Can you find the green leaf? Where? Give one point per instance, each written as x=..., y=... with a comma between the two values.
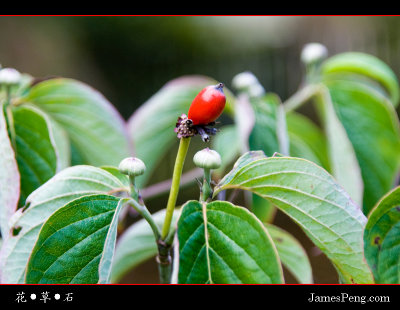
x=67, y=185
x=92, y=123
x=76, y=243
x=223, y=243
x=9, y=178
x=372, y=126
x=282, y=131
x=227, y=136
x=269, y=134
x=263, y=209
x=244, y=119
x=62, y=145
x=123, y=179
x=381, y=238
x=151, y=127
x=364, y=65
x=36, y=150
x=291, y=253
x=343, y=160
x=315, y=201
x=243, y=160
x=136, y=245
x=307, y=140
x=264, y=135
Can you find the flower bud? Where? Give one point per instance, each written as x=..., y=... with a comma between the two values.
x=313, y=52
x=207, y=159
x=132, y=166
x=9, y=76
x=244, y=80
x=247, y=81
x=256, y=90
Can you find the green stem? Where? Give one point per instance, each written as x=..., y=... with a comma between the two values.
x=176, y=177
x=206, y=189
x=164, y=262
x=163, y=258
x=134, y=192
x=165, y=273
x=301, y=97
x=142, y=210
x=169, y=240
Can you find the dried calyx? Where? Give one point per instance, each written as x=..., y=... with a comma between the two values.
x=185, y=129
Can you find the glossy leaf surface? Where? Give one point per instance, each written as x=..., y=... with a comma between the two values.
x=76, y=243
x=372, y=126
x=35, y=147
x=381, y=237
x=223, y=243
x=92, y=123
x=315, y=201
x=9, y=177
x=292, y=254
x=66, y=186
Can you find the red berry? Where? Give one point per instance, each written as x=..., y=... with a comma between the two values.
x=208, y=105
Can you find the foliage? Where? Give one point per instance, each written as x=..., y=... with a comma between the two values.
x=62, y=197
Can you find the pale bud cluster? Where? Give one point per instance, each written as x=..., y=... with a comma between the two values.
x=9, y=76
x=313, y=53
x=248, y=82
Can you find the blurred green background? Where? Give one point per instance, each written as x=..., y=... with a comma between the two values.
x=128, y=59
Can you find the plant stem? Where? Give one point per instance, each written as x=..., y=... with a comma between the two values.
x=301, y=97
x=134, y=192
x=163, y=258
x=164, y=262
x=173, y=194
x=144, y=212
x=206, y=191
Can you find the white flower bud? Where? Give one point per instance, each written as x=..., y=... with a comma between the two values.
x=244, y=80
x=207, y=159
x=256, y=90
x=313, y=52
x=9, y=76
x=132, y=166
